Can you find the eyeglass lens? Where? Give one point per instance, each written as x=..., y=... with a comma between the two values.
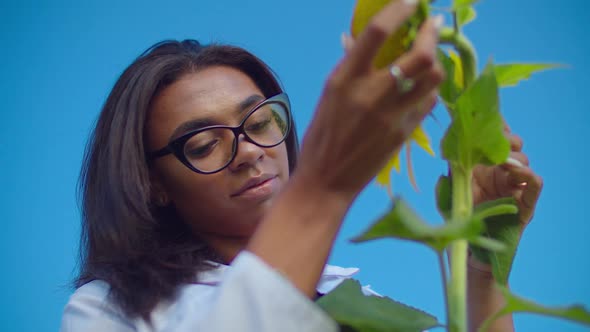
x=212, y=149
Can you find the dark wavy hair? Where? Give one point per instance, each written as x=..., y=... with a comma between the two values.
x=142, y=251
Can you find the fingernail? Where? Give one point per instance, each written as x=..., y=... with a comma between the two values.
x=346, y=41
x=439, y=20
x=514, y=162
x=343, y=40
x=411, y=2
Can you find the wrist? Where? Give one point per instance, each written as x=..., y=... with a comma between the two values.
x=296, y=236
x=310, y=187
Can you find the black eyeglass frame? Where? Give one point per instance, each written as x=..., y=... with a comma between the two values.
x=176, y=146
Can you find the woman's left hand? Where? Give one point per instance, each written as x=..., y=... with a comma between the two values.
x=491, y=183
x=509, y=180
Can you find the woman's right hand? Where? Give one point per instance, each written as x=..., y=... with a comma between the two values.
x=360, y=121
x=362, y=118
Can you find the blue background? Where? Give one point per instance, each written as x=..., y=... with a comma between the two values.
x=59, y=60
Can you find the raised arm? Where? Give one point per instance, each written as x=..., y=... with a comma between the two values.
x=361, y=120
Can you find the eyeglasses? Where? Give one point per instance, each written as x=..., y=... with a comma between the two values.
x=209, y=150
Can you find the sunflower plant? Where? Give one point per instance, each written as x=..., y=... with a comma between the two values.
x=475, y=136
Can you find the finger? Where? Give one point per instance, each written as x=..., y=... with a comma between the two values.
x=421, y=110
x=384, y=23
x=518, y=178
x=422, y=88
x=422, y=57
x=532, y=192
x=511, y=162
x=503, y=182
x=347, y=42
x=519, y=157
x=516, y=142
x=516, y=159
x=419, y=65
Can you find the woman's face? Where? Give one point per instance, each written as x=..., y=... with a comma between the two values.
x=231, y=202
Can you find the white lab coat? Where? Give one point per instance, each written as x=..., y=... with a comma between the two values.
x=247, y=296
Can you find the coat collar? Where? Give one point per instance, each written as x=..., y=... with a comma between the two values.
x=331, y=277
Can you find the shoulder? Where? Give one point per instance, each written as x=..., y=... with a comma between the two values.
x=89, y=309
x=91, y=295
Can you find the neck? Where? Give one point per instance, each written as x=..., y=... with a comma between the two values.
x=226, y=247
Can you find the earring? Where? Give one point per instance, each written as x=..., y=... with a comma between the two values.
x=161, y=200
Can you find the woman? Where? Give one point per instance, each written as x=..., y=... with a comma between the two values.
x=195, y=218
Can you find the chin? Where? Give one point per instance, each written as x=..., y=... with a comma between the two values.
x=254, y=214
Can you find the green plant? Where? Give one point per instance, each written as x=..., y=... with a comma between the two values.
x=490, y=230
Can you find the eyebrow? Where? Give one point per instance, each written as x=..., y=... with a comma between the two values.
x=196, y=124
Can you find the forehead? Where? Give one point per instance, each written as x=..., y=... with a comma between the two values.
x=214, y=92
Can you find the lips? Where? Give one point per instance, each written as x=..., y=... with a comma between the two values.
x=253, y=183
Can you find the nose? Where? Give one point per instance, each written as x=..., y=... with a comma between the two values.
x=248, y=154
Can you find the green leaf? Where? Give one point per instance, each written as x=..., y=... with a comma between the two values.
x=505, y=228
x=512, y=74
x=488, y=244
x=575, y=313
x=444, y=204
x=403, y=223
x=465, y=15
x=506, y=205
x=476, y=134
x=448, y=89
x=463, y=3
x=444, y=197
x=348, y=306
x=415, y=21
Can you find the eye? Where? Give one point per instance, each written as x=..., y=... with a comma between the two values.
x=259, y=125
x=201, y=150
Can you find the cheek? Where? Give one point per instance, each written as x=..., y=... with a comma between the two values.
x=189, y=189
x=281, y=158
x=202, y=201
x=285, y=163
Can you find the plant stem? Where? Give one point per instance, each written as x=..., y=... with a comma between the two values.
x=443, y=273
x=457, y=287
x=462, y=206
x=465, y=50
x=462, y=195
